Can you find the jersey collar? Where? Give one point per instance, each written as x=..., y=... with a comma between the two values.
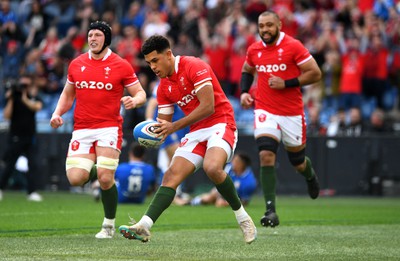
x=177, y=60
x=105, y=56
x=281, y=35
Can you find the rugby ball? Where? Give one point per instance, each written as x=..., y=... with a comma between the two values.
x=145, y=135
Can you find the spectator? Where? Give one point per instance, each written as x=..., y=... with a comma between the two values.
x=355, y=126
x=331, y=70
x=49, y=47
x=8, y=23
x=34, y=26
x=186, y=46
x=129, y=46
x=352, y=69
x=216, y=50
x=337, y=124
x=135, y=16
x=22, y=104
x=154, y=24
x=314, y=126
x=378, y=123
x=376, y=73
x=12, y=60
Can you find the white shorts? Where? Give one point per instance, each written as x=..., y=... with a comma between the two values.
x=290, y=129
x=194, y=144
x=84, y=141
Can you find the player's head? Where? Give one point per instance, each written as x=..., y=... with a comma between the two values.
x=157, y=53
x=137, y=151
x=105, y=29
x=269, y=26
x=240, y=162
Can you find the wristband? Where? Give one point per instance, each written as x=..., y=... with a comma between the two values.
x=294, y=82
x=246, y=81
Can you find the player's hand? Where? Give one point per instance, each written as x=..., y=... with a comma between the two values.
x=129, y=102
x=276, y=82
x=164, y=128
x=56, y=121
x=246, y=100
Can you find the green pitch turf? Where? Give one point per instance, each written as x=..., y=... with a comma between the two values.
x=62, y=227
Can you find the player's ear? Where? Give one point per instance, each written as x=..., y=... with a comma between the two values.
x=168, y=53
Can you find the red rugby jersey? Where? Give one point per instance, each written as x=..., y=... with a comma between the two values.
x=180, y=88
x=282, y=60
x=99, y=86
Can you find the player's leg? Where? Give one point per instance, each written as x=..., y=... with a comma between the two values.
x=294, y=139
x=80, y=159
x=217, y=154
x=268, y=147
x=303, y=165
x=107, y=163
x=267, y=134
x=179, y=169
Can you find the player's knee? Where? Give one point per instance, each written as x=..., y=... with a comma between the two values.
x=268, y=148
x=169, y=179
x=106, y=180
x=266, y=143
x=77, y=178
x=214, y=171
x=107, y=163
x=78, y=170
x=297, y=158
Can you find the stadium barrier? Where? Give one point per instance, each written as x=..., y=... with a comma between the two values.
x=345, y=166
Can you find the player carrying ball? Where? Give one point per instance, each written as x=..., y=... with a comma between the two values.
x=210, y=143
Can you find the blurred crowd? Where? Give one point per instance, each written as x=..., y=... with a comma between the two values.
x=356, y=44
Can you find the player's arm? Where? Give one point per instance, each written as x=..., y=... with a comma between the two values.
x=64, y=104
x=246, y=82
x=205, y=95
x=310, y=73
x=137, y=97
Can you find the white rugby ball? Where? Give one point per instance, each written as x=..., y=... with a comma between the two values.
x=145, y=135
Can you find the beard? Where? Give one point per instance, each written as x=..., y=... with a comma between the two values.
x=272, y=38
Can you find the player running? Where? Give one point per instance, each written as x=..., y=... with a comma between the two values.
x=210, y=143
x=282, y=64
x=97, y=81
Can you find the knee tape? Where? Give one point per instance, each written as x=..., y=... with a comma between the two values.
x=107, y=163
x=267, y=143
x=77, y=162
x=297, y=158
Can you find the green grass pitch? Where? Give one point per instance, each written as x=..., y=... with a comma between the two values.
x=62, y=227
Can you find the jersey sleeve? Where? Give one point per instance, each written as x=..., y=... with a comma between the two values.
x=70, y=78
x=165, y=106
x=249, y=55
x=302, y=55
x=130, y=78
x=198, y=73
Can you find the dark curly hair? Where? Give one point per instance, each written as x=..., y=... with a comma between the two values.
x=157, y=43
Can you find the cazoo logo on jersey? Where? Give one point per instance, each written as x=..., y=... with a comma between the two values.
x=94, y=85
x=269, y=68
x=186, y=99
